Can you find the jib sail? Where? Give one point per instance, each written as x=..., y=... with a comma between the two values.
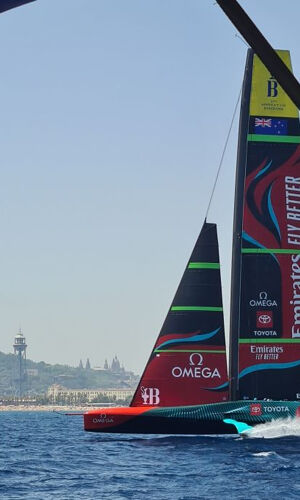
x=188, y=360
x=265, y=328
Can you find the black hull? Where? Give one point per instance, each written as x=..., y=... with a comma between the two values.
x=142, y=425
x=200, y=419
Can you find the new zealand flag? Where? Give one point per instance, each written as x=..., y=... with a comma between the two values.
x=271, y=126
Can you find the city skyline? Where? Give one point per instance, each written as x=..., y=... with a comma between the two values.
x=19, y=346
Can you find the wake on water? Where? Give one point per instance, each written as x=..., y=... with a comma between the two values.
x=275, y=429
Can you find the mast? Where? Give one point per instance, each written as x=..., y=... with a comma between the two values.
x=237, y=231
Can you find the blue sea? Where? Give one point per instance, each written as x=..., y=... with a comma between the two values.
x=45, y=455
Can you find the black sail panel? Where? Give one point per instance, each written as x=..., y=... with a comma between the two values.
x=188, y=363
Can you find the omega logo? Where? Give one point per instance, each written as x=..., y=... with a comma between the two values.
x=194, y=357
x=263, y=301
x=195, y=369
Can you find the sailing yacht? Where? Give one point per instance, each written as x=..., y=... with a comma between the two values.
x=186, y=387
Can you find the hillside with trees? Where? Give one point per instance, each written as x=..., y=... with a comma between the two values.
x=40, y=375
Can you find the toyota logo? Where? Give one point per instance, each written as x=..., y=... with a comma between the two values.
x=264, y=319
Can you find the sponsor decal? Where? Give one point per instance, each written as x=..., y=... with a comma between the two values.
x=266, y=352
x=292, y=190
x=292, y=195
x=103, y=419
x=276, y=409
x=263, y=301
x=265, y=333
x=255, y=409
x=150, y=395
x=196, y=369
x=267, y=97
x=295, y=303
x=272, y=87
x=264, y=319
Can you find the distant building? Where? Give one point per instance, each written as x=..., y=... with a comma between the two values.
x=59, y=394
x=20, y=347
x=115, y=365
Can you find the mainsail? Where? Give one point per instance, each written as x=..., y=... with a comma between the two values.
x=188, y=360
x=265, y=327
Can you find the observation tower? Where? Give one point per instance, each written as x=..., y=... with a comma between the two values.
x=20, y=347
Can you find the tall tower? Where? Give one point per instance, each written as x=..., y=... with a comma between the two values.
x=20, y=351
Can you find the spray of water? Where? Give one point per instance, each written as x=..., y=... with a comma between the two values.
x=276, y=428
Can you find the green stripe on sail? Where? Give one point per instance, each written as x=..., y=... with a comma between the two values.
x=271, y=250
x=190, y=350
x=274, y=138
x=269, y=341
x=204, y=265
x=197, y=308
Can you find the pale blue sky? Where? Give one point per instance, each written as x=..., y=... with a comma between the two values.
x=113, y=119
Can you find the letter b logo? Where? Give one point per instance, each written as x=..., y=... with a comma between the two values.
x=150, y=395
x=272, y=88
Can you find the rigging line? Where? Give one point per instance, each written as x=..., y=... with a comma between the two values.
x=223, y=154
x=242, y=40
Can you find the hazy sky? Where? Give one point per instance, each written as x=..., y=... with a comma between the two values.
x=114, y=115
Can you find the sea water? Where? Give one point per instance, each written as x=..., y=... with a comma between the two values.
x=44, y=455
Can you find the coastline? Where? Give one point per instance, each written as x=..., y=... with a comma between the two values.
x=52, y=408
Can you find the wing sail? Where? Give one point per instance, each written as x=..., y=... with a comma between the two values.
x=269, y=254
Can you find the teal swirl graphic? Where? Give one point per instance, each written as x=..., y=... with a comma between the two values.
x=191, y=340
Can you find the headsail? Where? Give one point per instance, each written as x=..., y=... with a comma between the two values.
x=188, y=360
x=266, y=298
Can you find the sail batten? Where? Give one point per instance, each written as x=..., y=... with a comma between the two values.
x=197, y=308
x=204, y=265
x=270, y=138
x=271, y=250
